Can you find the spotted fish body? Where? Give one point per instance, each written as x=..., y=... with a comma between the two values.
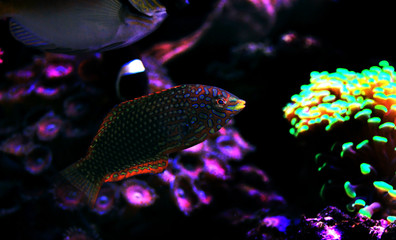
x=137, y=135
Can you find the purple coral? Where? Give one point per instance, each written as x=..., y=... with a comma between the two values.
x=38, y=159
x=1, y=55
x=138, y=193
x=193, y=167
x=49, y=127
x=333, y=224
x=67, y=197
x=53, y=71
x=76, y=233
x=107, y=197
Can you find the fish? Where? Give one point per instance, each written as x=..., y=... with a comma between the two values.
x=137, y=136
x=81, y=26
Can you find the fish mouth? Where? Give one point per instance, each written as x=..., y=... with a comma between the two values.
x=237, y=105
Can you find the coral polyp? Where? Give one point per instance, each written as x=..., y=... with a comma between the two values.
x=203, y=164
x=358, y=112
x=75, y=233
x=76, y=107
x=216, y=168
x=1, y=54
x=187, y=195
x=60, y=70
x=38, y=159
x=17, y=144
x=231, y=145
x=106, y=200
x=138, y=193
x=49, y=127
x=67, y=197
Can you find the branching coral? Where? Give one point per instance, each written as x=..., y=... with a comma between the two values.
x=357, y=111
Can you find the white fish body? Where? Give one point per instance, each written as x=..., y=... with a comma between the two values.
x=86, y=26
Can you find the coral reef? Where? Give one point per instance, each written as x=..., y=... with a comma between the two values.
x=202, y=165
x=331, y=223
x=357, y=111
x=57, y=131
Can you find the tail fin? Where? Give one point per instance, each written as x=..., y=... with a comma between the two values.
x=83, y=180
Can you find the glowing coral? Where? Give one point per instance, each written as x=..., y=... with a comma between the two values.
x=54, y=71
x=201, y=164
x=1, y=54
x=138, y=193
x=361, y=108
x=333, y=98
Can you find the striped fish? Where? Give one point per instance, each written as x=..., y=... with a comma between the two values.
x=79, y=26
x=137, y=135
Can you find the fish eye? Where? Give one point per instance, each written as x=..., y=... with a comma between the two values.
x=221, y=101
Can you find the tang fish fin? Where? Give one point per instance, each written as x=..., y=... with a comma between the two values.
x=23, y=35
x=81, y=178
x=148, y=7
x=155, y=166
x=86, y=26
x=28, y=38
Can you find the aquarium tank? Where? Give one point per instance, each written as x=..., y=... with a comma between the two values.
x=189, y=119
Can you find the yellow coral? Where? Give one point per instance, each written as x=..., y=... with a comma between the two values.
x=333, y=98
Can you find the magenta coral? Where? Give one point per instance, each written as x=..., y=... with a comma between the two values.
x=1, y=54
x=38, y=159
x=207, y=161
x=138, y=193
x=49, y=127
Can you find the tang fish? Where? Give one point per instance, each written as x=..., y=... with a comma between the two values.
x=79, y=26
x=137, y=135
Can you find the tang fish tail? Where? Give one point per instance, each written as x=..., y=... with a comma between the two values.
x=80, y=177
